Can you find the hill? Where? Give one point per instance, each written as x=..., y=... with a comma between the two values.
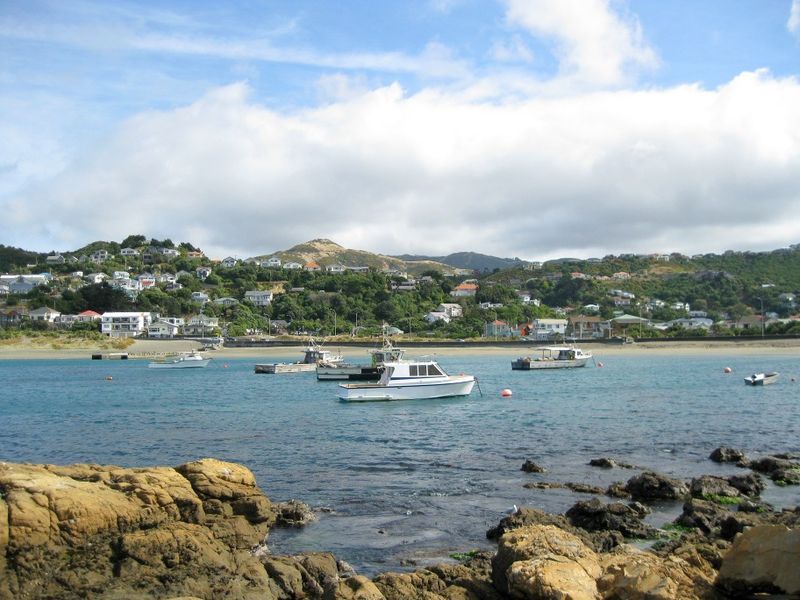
x=467, y=260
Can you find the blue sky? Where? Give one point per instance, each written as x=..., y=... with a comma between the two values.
x=531, y=128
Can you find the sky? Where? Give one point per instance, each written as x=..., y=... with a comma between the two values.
x=518, y=128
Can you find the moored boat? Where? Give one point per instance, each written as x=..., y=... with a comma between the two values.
x=371, y=372
x=313, y=356
x=553, y=357
x=408, y=380
x=761, y=378
x=190, y=360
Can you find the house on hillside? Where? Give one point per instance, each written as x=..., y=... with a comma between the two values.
x=336, y=268
x=464, y=290
x=55, y=259
x=45, y=314
x=292, y=266
x=226, y=301
x=271, y=263
x=258, y=297
x=435, y=315
x=312, y=266
x=452, y=310
x=202, y=272
x=129, y=252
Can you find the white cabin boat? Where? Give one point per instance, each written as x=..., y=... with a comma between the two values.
x=553, y=357
x=761, y=378
x=191, y=360
x=408, y=380
x=371, y=372
x=313, y=356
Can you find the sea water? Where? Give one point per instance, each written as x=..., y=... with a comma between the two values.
x=408, y=482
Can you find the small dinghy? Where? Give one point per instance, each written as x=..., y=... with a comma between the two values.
x=761, y=378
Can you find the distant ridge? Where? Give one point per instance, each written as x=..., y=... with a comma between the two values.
x=468, y=260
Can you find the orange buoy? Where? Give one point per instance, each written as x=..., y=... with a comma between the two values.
x=506, y=393
x=727, y=370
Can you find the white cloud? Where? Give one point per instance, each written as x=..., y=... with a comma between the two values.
x=511, y=50
x=593, y=43
x=683, y=169
x=794, y=18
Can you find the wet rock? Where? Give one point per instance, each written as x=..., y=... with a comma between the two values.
x=603, y=463
x=531, y=467
x=723, y=454
x=544, y=485
x=762, y=559
x=702, y=514
x=293, y=514
x=654, y=486
x=593, y=515
x=749, y=484
x=580, y=488
x=708, y=485
x=617, y=490
x=584, y=488
x=543, y=561
x=782, y=471
x=755, y=506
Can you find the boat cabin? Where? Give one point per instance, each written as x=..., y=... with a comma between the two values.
x=398, y=371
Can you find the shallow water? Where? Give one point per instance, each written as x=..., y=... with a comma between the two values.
x=408, y=482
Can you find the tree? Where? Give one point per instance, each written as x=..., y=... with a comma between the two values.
x=133, y=241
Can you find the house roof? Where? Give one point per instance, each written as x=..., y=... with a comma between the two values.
x=89, y=313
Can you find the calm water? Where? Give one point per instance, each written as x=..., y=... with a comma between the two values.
x=407, y=481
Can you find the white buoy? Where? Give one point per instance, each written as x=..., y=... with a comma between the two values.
x=506, y=393
x=599, y=364
x=727, y=370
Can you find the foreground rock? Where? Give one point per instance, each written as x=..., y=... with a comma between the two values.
x=87, y=530
x=654, y=486
x=763, y=559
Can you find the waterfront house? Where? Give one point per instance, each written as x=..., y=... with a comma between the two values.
x=125, y=324
x=258, y=297
x=752, y=322
x=584, y=326
x=498, y=328
x=548, y=329
x=88, y=316
x=164, y=328
x=201, y=325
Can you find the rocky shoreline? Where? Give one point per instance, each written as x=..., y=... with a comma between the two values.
x=200, y=530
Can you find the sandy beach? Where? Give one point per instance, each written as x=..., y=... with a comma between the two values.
x=43, y=348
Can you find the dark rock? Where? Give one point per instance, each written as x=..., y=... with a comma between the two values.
x=708, y=485
x=723, y=454
x=604, y=463
x=654, y=486
x=617, y=490
x=755, y=506
x=531, y=467
x=293, y=514
x=749, y=484
x=703, y=515
x=593, y=515
x=736, y=523
x=584, y=488
x=782, y=471
x=544, y=485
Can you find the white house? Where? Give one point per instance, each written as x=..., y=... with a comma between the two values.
x=164, y=328
x=203, y=272
x=125, y=324
x=271, y=263
x=490, y=305
x=201, y=297
x=96, y=277
x=55, y=259
x=129, y=252
x=434, y=316
x=452, y=310
x=226, y=301
x=170, y=253
x=201, y=325
x=229, y=262
x=44, y=313
x=120, y=275
x=100, y=256
x=292, y=266
x=546, y=329
x=465, y=289
x=336, y=268
x=258, y=297
x=358, y=269
x=89, y=315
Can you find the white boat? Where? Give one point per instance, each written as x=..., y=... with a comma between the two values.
x=408, y=380
x=191, y=360
x=313, y=356
x=761, y=378
x=553, y=357
x=371, y=372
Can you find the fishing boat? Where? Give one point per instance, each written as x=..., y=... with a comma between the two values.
x=761, y=378
x=189, y=360
x=371, y=372
x=408, y=380
x=553, y=357
x=313, y=355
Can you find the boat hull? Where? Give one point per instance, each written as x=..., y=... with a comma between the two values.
x=194, y=364
x=761, y=380
x=534, y=365
x=455, y=386
x=271, y=368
